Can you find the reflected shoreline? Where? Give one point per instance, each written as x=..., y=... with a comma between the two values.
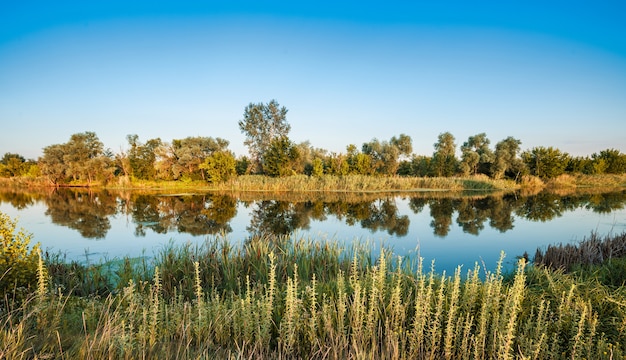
x=88, y=211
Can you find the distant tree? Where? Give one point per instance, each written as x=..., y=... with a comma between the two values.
x=12, y=165
x=242, y=165
x=307, y=156
x=546, y=163
x=476, y=156
x=52, y=165
x=317, y=167
x=358, y=163
x=280, y=158
x=142, y=157
x=506, y=159
x=444, y=162
x=190, y=152
x=219, y=166
x=385, y=155
x=336, y=164
x=262, y=124
x=615, y=161
x=82, y=158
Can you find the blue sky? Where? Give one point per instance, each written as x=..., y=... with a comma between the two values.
x=550, y=73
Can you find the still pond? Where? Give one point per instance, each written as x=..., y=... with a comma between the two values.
x=454, y=229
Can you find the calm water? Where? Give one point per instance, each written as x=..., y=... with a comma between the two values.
x=454, y=230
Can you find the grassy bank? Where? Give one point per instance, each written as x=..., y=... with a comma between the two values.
x=297, y=298
x=348, y=183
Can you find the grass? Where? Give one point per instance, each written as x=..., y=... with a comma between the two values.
x=281, y=297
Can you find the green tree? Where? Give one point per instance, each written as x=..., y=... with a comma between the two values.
x=476, y=156
x=219, y=166
x=189, y=153
x=12, y=165
x=546, y=163
x=615, y=161
x=142, y=157
x=86, y=158
x=52, y=165
x=281, y=158
x=82, y=158
x=385, y=155
x=359, y=163
x=506, y=159
x=242, y=165
x=444, y=162
x=262, y=124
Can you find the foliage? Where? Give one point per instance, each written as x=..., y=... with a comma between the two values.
x=546, y=163
x=477, y=157
x=444, y=162
x=81, y=159
x=142, y=157
x=13, y=165
x=242, y=165
x=507, y=162
x=18, y=263
x=262, y=124
x=384, y=155
x=280, y=158
x=189, y=153
x=219, y=166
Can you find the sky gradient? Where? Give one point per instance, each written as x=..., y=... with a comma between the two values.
x=547, y=73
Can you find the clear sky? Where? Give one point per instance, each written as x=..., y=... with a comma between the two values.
x=550, y=73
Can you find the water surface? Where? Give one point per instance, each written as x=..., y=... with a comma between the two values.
x=455, y=229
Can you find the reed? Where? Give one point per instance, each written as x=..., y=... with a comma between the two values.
x=297, y=298
x=592, y=250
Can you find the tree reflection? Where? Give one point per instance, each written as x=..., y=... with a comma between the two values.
x=472, y=214
x=541, y=207
x=19, y=200
x=89, y=212
x=607, y=202
x=192, y=214
x=383, y=214
x=441, y=211
x=85, y=211
x=271, y=217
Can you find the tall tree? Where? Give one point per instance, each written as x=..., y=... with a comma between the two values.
x=444, y=162
x=506, y=159
x=476, y=155
x=142, y=157
x=262, y=124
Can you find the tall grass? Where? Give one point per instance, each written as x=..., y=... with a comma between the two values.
x=297, y=298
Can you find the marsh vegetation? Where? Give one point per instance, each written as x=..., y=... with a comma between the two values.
x=286, y=297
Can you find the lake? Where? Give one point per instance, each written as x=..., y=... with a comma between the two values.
x=453, y=228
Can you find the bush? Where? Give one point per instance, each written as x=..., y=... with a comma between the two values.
x=18, y=264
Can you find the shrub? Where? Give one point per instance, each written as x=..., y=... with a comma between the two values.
x=18, y=263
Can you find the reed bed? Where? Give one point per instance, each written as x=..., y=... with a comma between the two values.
x=593, y=250
x=362, y=183
x=291, y=297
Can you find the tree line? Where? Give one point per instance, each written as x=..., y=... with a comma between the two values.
x=85, y=160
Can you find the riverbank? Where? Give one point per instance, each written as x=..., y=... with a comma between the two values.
x=283, y=297
x=349, y=183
